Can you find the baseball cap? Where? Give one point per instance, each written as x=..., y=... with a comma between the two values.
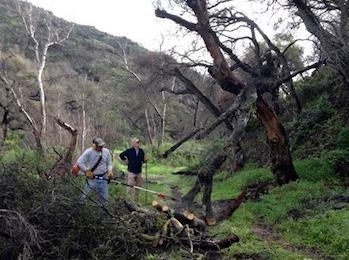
x=99, y=142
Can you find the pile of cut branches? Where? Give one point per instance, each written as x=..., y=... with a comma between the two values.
x=182, y=228
x=42, y=219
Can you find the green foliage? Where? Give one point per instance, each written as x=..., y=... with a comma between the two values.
x=343, y=139
x=31, y=160
x=274, y=207
x=313, y=169
x=316, y=112
x=314, y=130
x=334, y=158
x=66, y=230
x=322, y=168
x=233, y=185
x=323, y=81
x=190, y=153
x=14, y=138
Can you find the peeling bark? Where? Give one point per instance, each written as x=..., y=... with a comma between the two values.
x=281, y=159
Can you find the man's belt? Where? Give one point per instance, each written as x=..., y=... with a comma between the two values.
x=99, y=176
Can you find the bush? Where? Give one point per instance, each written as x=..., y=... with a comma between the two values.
x=322, y=168
x=315, y=130
x=343, y=139
x=42, y=220
x=190, y=153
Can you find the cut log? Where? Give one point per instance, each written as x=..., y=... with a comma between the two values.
x=156, y=239
x=165, y=208
x=176, y=224
x=227, y=208
x=164, y=232
x=156, y=205
x=161, y=208
x=211, y=221
x=148, y=237
x=190, y=219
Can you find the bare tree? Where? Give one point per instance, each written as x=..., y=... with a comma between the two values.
x=10, y=88
x=213, y=26
x=44, y=32
x=216, y=27
x=328, y=21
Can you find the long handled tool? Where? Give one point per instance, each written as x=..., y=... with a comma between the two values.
x=159, y=194
x=146, y=181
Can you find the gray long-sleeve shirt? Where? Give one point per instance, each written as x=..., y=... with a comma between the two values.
x=90, y=157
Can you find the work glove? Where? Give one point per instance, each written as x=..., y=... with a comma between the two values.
x=146, y=158
x=89, y=174
x=110, y=175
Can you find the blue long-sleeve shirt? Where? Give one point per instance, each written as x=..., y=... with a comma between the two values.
x=135, y=161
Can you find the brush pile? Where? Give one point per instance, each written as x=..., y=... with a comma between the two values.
x=42, y=219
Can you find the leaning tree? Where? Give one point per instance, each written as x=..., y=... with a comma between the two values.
x=218, y=25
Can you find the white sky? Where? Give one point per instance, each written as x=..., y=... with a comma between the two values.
x=135, y=19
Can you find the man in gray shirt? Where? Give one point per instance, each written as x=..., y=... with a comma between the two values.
x=96, y=163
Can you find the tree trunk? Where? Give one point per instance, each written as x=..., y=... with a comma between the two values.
x=205, y=178
x=83, y=132
x=282, y=165
x=155, y=131
x=335, y=48
x=36, y=132
x=196, y=112
x=4, y=126
x=63, y=165
x=281, y=159
x=180, y=142
x=42, y=91
x=163, y=119
x=148, y=126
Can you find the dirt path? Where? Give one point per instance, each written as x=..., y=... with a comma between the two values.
x=267, y=233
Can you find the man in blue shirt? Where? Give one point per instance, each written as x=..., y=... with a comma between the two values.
x=134, y=158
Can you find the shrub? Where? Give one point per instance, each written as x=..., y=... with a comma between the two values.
x=343, y=139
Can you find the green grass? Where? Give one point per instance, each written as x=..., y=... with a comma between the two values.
x=328, y=232
x=297, y=211
x=160, y=177
x=232, y=185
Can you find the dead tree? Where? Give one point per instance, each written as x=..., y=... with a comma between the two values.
x=147, y=99
x=328, y=21
x=10, y=87
x=63, y=165
x=241, y=108
x=212, y=26
x=54, y=32
x=331, y=31
x=5, y=119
